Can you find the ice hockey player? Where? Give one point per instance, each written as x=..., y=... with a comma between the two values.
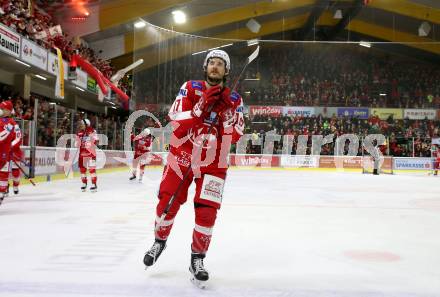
x=198, y=105
x=377, y=155
x=7, y=136
x=436, y=155
x=17, y=157
x=87, y=138
x=142, y=147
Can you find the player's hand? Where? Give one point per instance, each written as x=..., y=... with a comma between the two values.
x=225, y=108
x=206, y=102
x=224, y=103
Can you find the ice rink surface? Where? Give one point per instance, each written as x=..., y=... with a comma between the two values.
x=279, y=233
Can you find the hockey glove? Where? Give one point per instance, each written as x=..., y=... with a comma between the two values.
x=206, y=102
x=225, y=108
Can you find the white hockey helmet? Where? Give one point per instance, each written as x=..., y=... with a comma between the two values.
x=146, y=132
x=86, y=122
x=218, y=54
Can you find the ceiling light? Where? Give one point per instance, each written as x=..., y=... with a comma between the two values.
x=252, y=42
x=139, y=24
x=217, y=47
x=40, y=77
x=22, y=63
x=253, y=26
x=424, y=29
x=179, y=16
x=365, y=44
x=338, y=14
x=226, y=45
x=199, y=53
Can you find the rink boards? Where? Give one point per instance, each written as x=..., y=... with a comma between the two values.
x=49, y=163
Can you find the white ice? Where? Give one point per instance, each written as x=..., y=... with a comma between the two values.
x=279, y=233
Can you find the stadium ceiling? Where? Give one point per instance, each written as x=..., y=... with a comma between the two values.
x=378, y=20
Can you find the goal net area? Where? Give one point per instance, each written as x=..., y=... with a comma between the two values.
x=384, y=165
x=399, y=165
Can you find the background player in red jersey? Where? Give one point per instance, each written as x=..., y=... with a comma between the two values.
x=7, y=136
x=436, y=155
x=16, y=156
x=198, y=105
x=87, y=153
x=142, y=146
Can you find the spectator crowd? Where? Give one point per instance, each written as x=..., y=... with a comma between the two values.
x=404, y=138
x=340, y=75
x=29, y=20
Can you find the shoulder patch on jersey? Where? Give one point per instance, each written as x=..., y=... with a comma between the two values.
x=182, y=92
x=239, y=109
x=196, y=85
x=235, y=96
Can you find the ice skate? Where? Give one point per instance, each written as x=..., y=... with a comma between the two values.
x=93, y=188
x=84, y=187
x=154, y=252
x=16, y=190
x=199, y=274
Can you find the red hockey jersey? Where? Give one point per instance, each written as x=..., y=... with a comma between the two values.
x=188, y=131
x=142, y=144
x=87, y=142
x=16, y=152
x=436, y=153
x=7, y=136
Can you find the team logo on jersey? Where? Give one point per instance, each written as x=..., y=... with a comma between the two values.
x=196, y=136
x=212, y=117
x=196, y=85
x=184, y=159
x=235, y=96
x=182, y=92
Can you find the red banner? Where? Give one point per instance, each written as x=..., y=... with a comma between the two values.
x=272, y=111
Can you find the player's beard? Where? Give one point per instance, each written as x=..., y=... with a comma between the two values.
x=213, y=81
